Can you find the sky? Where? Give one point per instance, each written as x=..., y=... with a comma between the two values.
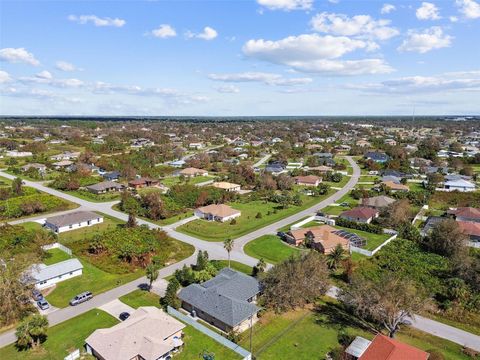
x=239, y=57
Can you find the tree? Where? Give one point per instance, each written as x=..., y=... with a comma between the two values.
x=202, y=260
x=151, y=271
x=259, y=268
x=32, y=331
x=446, y=239
x=336, y=256
x=295, y=282
x=228, y=245
x=17, y=186
x=388, y=300
x=132, y=220
x=171, y=298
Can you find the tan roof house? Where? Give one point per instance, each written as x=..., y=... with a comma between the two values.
x=324, y=238
x=230, y=187
x=148, y=334
x=192, y=172
x=309, y=180
x=393, y=186
x=217, y=212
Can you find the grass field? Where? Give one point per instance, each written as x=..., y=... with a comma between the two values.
x=64, y=337
x=373, y=240
x=270, y=248
x=247, y=222
x=54, y=256
x=138, y=298
x=334, y=210
x=88, y=232
x=234, y=265
x=87, y=195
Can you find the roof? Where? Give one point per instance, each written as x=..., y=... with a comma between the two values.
x=460, y=183
x=72, y=218
x=146, y=333
x=225, y=185
x=378, y=201
x=112, y=175
x=321, y=168
x=385, y=348
x=220, y=210
x=309, y=179
x=360, y=212
x=469, y=228
x=466, y=212
x=192, y=171
x=376, y=156
x=394, y=186
x=105, y=185
x=63, y=163
x=143, y=180
x=225, y=297
x=326, y=235
x=358, y=346
x=44, y=272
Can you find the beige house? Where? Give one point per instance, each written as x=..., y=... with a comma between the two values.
x=309, y=180
x=230, y=187
x=148, y=334
x=217, y=212
x=192, y=172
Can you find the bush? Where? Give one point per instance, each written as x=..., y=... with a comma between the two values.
x=258, y=216
x=371, y=228
x=233, y=222
x=435, y=355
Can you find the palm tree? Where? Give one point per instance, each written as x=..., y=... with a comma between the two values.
x=32, y=331
x=228, y=245
x=151, y=271
x=336, y=256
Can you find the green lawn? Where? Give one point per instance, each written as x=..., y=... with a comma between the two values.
x=334, y=210
x=373, y=240
x=54, y=256
x=173, y=180
x=64, y=337
x=87, y=195
x=69, y=237
x=234, y=265
x=138, y=298
x=167, y=221
x=270, y=248
x=287, y=227
x=247, y=222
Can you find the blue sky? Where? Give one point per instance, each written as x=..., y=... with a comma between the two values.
x=264, y=57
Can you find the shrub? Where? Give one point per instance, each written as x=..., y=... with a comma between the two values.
x=258, y=216
x=374, y=229
x=233, y=222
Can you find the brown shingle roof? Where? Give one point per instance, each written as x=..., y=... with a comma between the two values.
x=220, y=210
x=360, y=213
x=385, y=348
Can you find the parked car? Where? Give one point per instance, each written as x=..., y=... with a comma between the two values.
x=43, y=304
x=37, y=295
x=124, y=316
x=344, y=204
x=80, y=298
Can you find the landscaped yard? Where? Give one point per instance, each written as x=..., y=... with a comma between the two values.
x=63, y=338
x=334, y=210
x=373, y=240
x=271, y=249
x=55, y=256
x=138, y=298
x=235, y=265
x=247, y=222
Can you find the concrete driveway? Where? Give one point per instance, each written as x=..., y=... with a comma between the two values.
x=159, y=287
x=116, y=307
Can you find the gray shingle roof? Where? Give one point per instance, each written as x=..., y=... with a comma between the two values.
x=72, y=218
x=104, y=185
x=224, y=297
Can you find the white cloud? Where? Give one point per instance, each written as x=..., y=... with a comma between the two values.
x=387, y=8
x=469, y=8
x=358, y=25
x=46, y=78
x=286, y=5
x=18, y=55
x=428, y=11
x=97, y=21
x=65, y=66
x=266, y=78
x=422, y=42
x=4, y=77
x=208, y=33
x=314, y=53
x=44, y=75
x=228, y=89
x=164, y=31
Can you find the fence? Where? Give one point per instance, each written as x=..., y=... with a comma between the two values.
x=372, y=252
x=420, y=215
x=58, y=246
x=73, y=355
x=217, y=337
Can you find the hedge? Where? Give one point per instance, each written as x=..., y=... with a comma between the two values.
x=371, y=228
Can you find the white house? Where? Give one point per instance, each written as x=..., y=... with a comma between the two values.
x=44, y=276
x=459, y=185
x=217, y=212
x=15, y=153
x=72, y=221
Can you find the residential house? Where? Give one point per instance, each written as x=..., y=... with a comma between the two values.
x=308, y=180
x=394, y=187
x=104, y=187
x=459, y=185
x=62, y=164
x=376, y=156
x=15, y=153
x=229, y=187
x=67, y=155
x=383, y=348
x=471, y=229
x=177, y=163
x=196, y=145
x=323, y=238
x=141, y=142
x=363, y=143
x=43, y=276
x=465, y=214
x=192, y=172
x=322, y=169
x=275, y=168
x=360, y=214
x=42, y=169
x=227, y=301
x=430, y=223
x=217, y=212
x=72, y=221
x=390, y=142
x=148, y=334
x=377, y=202
x=142, y=182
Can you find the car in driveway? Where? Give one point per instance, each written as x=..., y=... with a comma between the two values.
x=37, y=295
x=43, y=304
x=124, y=316
x=80, y=298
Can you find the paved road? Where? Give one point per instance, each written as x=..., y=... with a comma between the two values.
x=262, y=160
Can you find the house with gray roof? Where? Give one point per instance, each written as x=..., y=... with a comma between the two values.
x=227, y=301
x=72, y=221
x=104, y=187
x=44, y=276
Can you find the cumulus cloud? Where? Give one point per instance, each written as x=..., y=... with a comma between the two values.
x=314, y=53
x=4, y=77
x=469, y=8
x=359, y=25
x=65, y=66
x=18, y=55
x=262, y=77
x=387, y=8
x=164, y=31
x=428, y=11
x=227, y=89
x=426, y=40
x=286, y=5
x=46, y=78
x=97, y=21
x=208, y=33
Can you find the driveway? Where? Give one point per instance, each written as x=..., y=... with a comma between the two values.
x=116, y=307
x=159, y=287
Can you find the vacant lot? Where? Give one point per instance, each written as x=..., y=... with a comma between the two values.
x=54, y=256
x=270, y=248
x=174, y=180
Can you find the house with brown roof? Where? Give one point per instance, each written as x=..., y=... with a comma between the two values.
x=377, y=202
x=465, y=214
x=142, y=182
x=148, y=334
x=224, y=185
x=217, y=212
x=192, y=172
x=308, y=180
x=471, y=229
x=360, y=214
x=323, y=238
x=104, y=187
x=393, y=186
